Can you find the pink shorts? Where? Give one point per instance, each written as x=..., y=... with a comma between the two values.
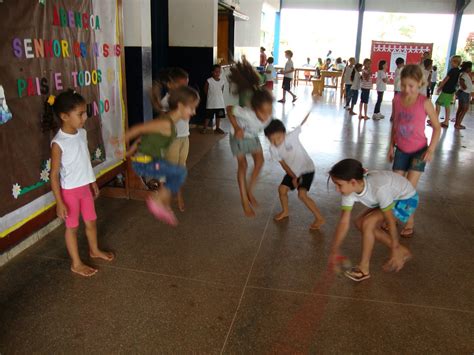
x=78, y=201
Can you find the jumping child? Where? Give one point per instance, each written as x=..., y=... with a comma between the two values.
x=366, y=86
x=156, y=137
x=464, y=93
x=447, y=87
x=72, y=176
x=388, y=197
x=179, y=149
x=215, y=106
x=409, y=149
x=247, y=122
x=287, y=149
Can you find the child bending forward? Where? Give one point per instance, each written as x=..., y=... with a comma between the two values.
x=288, y=150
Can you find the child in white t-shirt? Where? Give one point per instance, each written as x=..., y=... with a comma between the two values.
x=381, y=86
x=72, y=177
x=288, y=150
x=288, y=74
x=215, y=106
x=347, y=79
x=388, y=196
x=270, y=74
x=426, y=68
x=400, y=62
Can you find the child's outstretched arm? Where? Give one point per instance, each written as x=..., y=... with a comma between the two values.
x=391, y=148
x=305, y=118
x=441, y=84
x=238, y=131
x=340, y=234
x=153, y=126
x=431, y=112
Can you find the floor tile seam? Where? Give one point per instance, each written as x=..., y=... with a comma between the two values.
x=367, y=300
x=147, y=272
x=248, y=276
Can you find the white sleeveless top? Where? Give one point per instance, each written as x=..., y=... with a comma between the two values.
x=215, y=96
x=76, y=168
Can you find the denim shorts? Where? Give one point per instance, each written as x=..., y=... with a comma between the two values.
x=173, y=175
x=409, y=161
x=463, y=97
x=403, y=209
x=244, y=146
x=354, y=96
x=364, y=96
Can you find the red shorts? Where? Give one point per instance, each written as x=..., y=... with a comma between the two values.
x=78, y=201
x=269, y=85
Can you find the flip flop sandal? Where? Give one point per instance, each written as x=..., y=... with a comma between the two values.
x=356, y=274
x=444, y=125
x=407, y=235
x=161, y=213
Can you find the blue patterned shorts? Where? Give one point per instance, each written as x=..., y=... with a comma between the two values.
x=405, y=208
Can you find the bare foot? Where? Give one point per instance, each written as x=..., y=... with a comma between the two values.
x=84, y=270
x=181, y=204
x=252, y=200
x=248, y=211
x=317, y=224
x=352, y=113
x=397, y=264
x=280, y=216
x=104, y=255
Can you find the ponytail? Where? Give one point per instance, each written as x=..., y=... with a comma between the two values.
x=64, y=103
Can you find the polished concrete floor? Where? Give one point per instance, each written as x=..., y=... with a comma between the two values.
x=222, y=283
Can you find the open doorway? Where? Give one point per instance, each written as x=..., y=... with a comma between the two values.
x=225, y=37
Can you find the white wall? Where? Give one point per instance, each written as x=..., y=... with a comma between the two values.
x=136, y=23
x=192, y=23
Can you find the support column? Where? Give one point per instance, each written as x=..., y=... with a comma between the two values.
x=276, y=37
x=360, y=25
x=453, y=41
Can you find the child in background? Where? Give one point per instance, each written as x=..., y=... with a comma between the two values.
x=434, y=79
x=178, y=151
x=400, y=62
x=464, y=93
x=287, y=149
x=347, y=79
x=409, y=149
x=155, y=138
x=365, y=85
x=388, y=197
x=215, y=106
x=381, y=86
x=247, y=122
x=339, y=65
x=270, y=74
x=447, y=87
x=72, y=176
x=426, y=70
x=355, y=87
x=288, y=73
x=307, y=73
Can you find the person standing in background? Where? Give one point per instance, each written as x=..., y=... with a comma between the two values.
x=263, y=57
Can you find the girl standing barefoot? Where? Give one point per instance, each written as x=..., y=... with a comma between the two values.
x=72, y=177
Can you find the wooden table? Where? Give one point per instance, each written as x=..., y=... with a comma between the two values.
x=320, y=84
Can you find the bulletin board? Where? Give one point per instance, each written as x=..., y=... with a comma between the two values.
x=49, y=46
x=390, y=51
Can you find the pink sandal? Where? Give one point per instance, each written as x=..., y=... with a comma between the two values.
x=161, y=213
